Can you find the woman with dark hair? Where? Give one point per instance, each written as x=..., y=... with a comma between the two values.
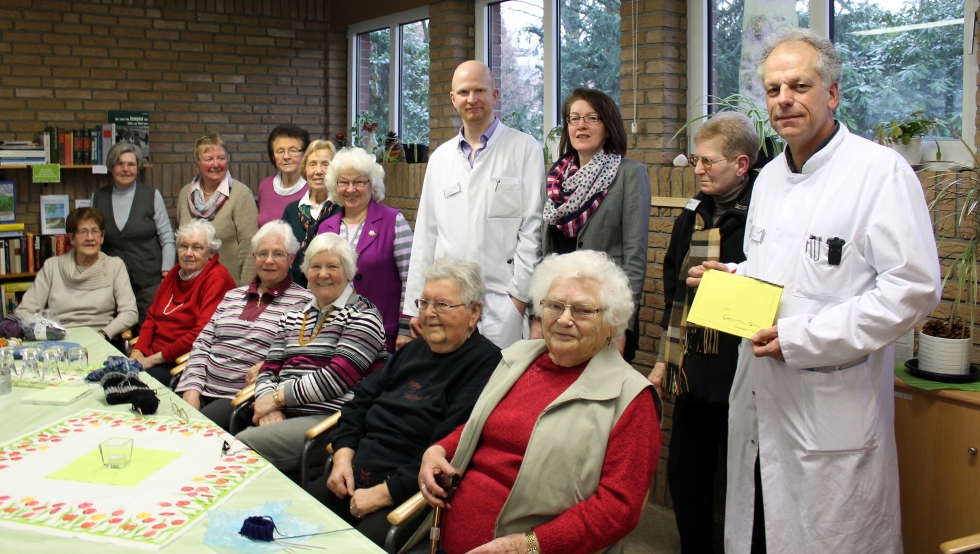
x=287, y=144
x=597, y=198
x=84, y=286
x=137, y=224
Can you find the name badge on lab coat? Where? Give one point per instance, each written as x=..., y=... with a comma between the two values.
x=447, y=192
x=757, y=233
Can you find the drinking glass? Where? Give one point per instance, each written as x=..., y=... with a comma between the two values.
x=78, y=358
x=116, y=452
x=51, y=363
x=31, y=365
x=7, y=360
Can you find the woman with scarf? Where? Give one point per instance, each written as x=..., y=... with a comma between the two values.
x=306, y=214
x=697, y=365
x=598, y=199
x=228, y=204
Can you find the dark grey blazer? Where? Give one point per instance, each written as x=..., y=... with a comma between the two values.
x=620, y=226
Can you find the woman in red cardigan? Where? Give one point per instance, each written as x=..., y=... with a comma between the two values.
x=185, y=301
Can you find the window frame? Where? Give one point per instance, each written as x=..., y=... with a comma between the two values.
x=393, y=23
x=821, y=22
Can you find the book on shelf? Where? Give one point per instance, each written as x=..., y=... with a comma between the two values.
x=132, y=127
x=108, y=138
x=11, y=226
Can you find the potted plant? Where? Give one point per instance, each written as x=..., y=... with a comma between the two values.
x=362, y=132
x=551, y=144
x=769, y=141
x=905, y=135
x=945, y=344
x=392, y=147
x=416, y=146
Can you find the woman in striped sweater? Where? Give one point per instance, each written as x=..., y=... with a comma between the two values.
x=318, y=355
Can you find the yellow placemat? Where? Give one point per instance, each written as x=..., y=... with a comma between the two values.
x=89, y=468
x=735, y=304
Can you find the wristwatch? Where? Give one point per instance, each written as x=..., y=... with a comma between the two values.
x=104, y=335
x=532, y=543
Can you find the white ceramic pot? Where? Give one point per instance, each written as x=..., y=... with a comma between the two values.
x=912, y=152
x=950, y=356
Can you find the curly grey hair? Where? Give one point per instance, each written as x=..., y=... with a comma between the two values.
x=362, y=162
x=467, y=276
x=333, y=243
x=828, y=58
x=280, y=228
x=195, y=226
x=613, y=286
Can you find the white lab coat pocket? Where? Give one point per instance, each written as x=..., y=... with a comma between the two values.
x=506, y=198
x=821, y=281
x=839, y=410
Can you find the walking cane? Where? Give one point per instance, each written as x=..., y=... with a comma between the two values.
x=449, y=483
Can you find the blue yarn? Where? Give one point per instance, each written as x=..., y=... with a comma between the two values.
x=258, y=528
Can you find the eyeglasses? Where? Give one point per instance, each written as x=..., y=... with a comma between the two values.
x=293, y=152
x=196, y=248
x=590, y=119
x=356, y=184
x=88, y=232
x=277, y=255
x=581, y=312
x=441, y=308
x=705, y=162
x=177, y=412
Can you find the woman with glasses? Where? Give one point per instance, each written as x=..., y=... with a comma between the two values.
x=697, y=365
x=379, y=234
x=425, y=391
x=597, y=199
x=185, y=301
x=138, y=226
x=317, y=356
x=286, y=144
x=228, y=352
x=84, y=286
x=306, y=214
x=563, y=443
x=227, y=203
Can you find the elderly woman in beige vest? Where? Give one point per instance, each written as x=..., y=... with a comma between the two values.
x=561, y=446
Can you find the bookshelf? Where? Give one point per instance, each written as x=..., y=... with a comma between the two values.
x=13, y=276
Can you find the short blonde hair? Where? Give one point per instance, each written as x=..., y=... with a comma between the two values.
x=316, y=146
x=207, y=142
x=364, y=163
x=333, y=243
x=738, y=135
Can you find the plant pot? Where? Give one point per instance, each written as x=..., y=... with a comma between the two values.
x=949, y=356
x=416, y=153
x=912, y=152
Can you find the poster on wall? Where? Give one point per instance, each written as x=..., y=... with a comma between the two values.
x=7, y=214
x=132, y=127
x=54, y=211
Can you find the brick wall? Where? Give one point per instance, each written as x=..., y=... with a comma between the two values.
x=451, y=26
x=237, y=68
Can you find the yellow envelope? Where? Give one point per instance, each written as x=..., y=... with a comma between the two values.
x=735, y=304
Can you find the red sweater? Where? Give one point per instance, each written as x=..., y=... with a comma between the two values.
x=181, y=309
x=597, y=522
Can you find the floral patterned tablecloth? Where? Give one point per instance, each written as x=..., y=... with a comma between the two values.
x=149, y=514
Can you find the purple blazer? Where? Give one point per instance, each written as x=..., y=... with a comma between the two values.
x=377, y=275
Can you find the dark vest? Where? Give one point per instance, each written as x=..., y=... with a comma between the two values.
x=137, y=242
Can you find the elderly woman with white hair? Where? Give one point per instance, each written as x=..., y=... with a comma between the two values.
x=319, y=353
x=228, y=352
x=567, y=414
x=379, y=234
x=185, y=301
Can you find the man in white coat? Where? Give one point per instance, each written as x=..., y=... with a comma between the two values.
x=482, y=201
x=842, y=223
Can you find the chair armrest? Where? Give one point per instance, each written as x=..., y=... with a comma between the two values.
x=407, y=509
x=960, y=546
x=178, y=369
x=323, y=426
x=183, y=358
x=243, y=396
x=127, y=334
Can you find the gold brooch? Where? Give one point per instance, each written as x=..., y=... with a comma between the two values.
x=371, y=232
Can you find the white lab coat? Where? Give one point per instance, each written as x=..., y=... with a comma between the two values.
x=826, y=441
x=489, y=214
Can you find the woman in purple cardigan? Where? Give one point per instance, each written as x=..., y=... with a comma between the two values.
x=379, y=234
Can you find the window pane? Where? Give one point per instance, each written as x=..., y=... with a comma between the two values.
x=734, y=50
x=373, y=63
x=899, y=57
x=415, y=83
x=590, y=42
x=517, y=63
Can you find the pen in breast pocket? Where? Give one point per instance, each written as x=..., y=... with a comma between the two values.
x=813, y=247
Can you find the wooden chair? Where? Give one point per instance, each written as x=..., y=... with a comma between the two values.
x=962, y=545
x=129, y=341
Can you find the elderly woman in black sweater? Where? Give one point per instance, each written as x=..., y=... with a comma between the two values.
x=424, y=392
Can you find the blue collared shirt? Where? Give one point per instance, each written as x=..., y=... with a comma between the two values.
x=465, y=147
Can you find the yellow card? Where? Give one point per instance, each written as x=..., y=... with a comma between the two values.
x=735, y=304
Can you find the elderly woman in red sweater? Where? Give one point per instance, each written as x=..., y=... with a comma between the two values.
x=185, y=301
x=562, y=444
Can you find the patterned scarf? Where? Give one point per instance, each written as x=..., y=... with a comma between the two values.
x=309, y=223
x=201, y=209
x=575, y=193
x=681, y=335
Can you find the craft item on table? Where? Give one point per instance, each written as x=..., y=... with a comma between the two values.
x=121, y=388
x=60, y=396
x=44, y=345
x=115, y=364
x=244, y=531
x=43, y=325
x=735, y=304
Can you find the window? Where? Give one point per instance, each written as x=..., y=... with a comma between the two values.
x=899, y=56
x=539, y=50
x=396, y=100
